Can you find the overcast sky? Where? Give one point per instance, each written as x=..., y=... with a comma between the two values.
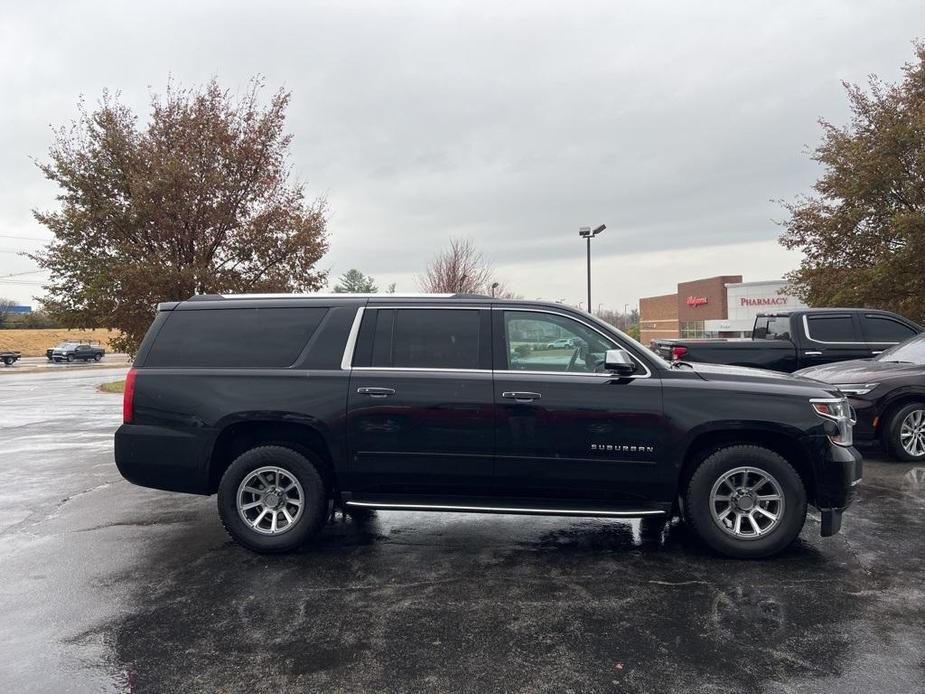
x=512, y=123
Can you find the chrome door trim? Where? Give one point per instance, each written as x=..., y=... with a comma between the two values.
x=347, y=360
x=421, y=369
x=823, y=342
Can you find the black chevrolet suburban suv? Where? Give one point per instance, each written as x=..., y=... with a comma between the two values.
x=285, y=405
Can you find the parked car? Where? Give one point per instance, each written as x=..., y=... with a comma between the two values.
x=284, y=404
x=9, y=358
x=792, y=340
x=562, y=343
x=77, y=351
x=888, y=395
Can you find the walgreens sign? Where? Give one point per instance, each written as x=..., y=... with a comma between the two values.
x=764, y=301
x=697, y=301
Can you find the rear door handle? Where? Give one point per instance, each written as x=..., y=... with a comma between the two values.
x=521, y=396
x=876, y=351
x=812, y=354
x=376, y=392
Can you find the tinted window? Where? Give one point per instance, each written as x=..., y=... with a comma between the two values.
x=547, y=342
x=883, y=329
x=832, y=329
x=427, y=339
x=246, y=337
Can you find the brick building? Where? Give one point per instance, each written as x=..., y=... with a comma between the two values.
x=722, y=306
x=658, y=317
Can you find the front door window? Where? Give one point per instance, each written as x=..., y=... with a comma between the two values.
x=547, y=342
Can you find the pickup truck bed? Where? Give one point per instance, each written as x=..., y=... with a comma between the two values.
x=8, y=358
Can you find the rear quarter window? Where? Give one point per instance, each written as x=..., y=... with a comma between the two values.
x=238, y=337
x=885, y=329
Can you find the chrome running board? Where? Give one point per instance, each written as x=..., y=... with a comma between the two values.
x=506, y=509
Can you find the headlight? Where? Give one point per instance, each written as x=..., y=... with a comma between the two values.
x=856, y=388
x=836, y=410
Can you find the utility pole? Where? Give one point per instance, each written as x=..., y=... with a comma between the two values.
x=588, y=233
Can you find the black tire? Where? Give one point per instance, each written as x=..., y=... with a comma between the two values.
x=97, y=357
x=8, y=361
x=892, y=432
x=69, y=358
x=791, y=514
x=315, y=502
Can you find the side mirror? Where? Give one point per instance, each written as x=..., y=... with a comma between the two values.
x=619, y=362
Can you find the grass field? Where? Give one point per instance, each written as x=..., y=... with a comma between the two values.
x=113, y=387
x=33, y=343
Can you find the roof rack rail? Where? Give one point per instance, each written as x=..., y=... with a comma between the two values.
x=333, y=295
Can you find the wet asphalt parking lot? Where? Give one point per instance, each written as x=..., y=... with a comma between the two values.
x=109, y=587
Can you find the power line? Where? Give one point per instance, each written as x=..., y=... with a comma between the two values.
x=17, y=274
x=23, y=238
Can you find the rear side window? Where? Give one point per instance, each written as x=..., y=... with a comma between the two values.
x=884, y=329
x=427, y=339
x=772, y=328
x=832, y=329
x=245, y=337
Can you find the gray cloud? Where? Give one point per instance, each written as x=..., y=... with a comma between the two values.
x=674, y=123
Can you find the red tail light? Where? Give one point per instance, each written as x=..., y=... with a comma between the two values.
x=128, y=397
x=678, y=353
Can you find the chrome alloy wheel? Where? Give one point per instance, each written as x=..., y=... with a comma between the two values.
x=747, y=503
x=270, y=500
x=912, y=433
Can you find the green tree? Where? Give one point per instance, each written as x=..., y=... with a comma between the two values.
x=862, y=230
x=197, y=200
x=355, y=282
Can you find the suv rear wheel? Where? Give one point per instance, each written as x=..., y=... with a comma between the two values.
x=272, y=499
x=745, y=502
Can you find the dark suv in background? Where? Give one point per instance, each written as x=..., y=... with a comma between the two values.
x=284, y=405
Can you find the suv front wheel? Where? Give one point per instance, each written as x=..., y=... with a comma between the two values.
x=272, y=499
x=745, y=502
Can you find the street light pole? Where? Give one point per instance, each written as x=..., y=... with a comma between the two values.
x=589, y=233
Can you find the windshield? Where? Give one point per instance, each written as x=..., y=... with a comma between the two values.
x=912, y=351
x=64, y=345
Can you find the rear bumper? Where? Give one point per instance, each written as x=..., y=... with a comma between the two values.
x=162, y=458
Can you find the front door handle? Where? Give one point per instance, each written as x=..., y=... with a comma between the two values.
x=376, y=392
x=812, y=354
x=521, y=396
x=875, y=352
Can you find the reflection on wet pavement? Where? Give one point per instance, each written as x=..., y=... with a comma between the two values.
x=118, y=588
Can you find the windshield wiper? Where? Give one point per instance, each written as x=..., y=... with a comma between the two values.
x=895, y=361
